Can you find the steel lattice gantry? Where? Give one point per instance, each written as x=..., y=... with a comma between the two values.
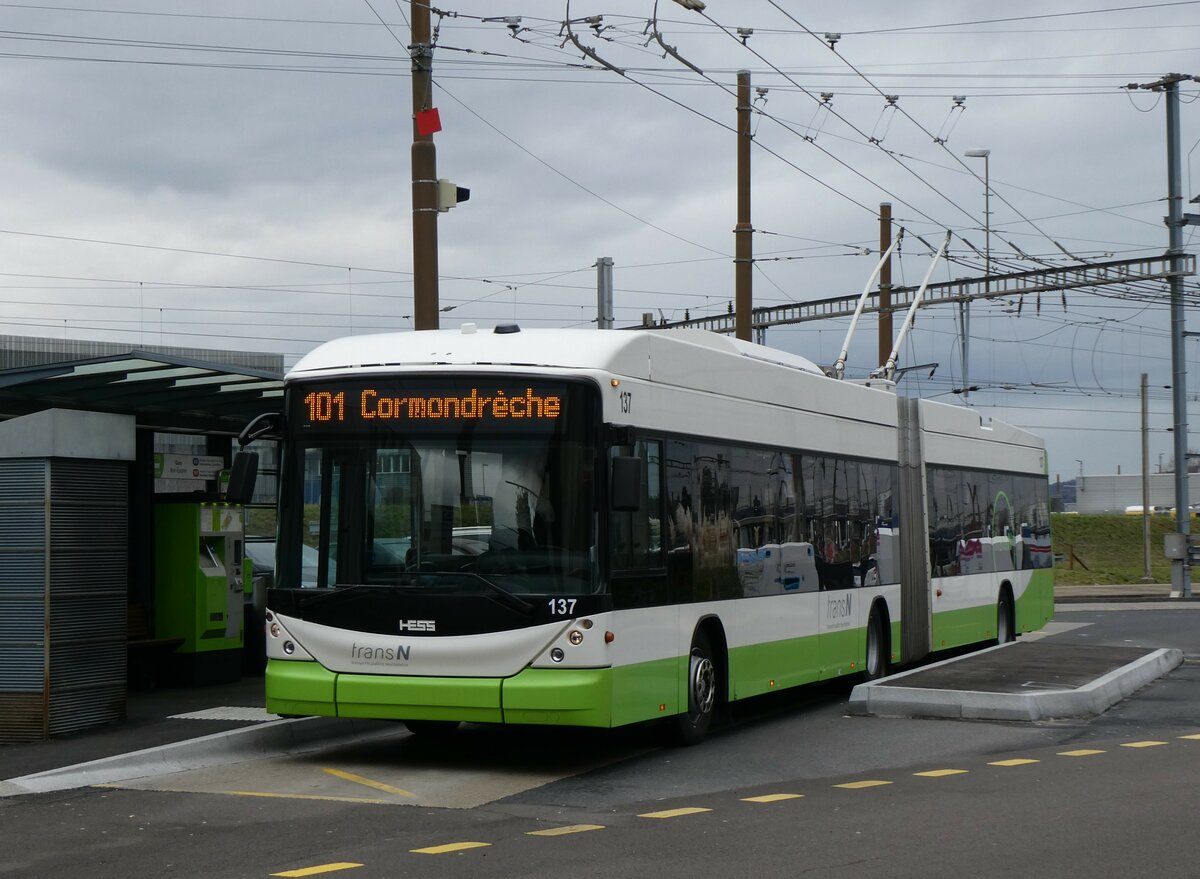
x=1123, y=271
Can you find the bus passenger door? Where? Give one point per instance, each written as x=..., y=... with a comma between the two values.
x=840, y=641
x=839, y=615
x=645, y=674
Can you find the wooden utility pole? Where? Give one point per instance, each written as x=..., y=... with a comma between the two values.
x=424, y=175
x=885, y=283
x=743, y=255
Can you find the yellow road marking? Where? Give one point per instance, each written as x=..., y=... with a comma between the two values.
x=772, y=798
x=938, y=773
x=1141, y=744
x=1016, y=761
x=674, y=813
x=253, y=793
x=359, y=779
x=449, y=847
x=859, y=785
x=563, y=831
x=1193, y=736
x=1082, y=752
x=313, y=871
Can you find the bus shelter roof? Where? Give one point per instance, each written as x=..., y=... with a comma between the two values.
x=164, y=392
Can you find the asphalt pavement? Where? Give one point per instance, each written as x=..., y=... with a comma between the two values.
x=170, y=729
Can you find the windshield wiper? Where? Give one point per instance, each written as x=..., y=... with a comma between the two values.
x=506, y=597
x=330, y=593
x=512, y=600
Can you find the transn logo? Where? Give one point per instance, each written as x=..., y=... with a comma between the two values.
x=418, y=625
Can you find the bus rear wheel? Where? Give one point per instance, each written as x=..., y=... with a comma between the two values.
x=876, y=665
x=692, y=725
x=1005, y=625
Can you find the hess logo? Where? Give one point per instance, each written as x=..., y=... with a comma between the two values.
x=418, y=626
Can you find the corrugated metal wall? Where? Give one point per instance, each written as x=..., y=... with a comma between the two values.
x=64, y=553
x=18, y=351
x=24, y=706
x=89, y=584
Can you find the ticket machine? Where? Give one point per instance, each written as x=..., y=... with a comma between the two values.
x=200, y=575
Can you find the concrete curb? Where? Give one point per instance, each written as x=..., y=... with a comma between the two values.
x=274, y=738
x=1080, y=605
x=1100, y=598
x=885, y=699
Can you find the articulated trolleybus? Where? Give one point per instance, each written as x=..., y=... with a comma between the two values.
x=600, y=528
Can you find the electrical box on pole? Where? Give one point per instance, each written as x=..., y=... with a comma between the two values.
x=450, y=194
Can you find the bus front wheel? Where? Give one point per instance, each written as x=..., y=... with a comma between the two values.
x=692, y=725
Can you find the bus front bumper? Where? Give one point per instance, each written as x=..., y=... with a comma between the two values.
x=566, y=696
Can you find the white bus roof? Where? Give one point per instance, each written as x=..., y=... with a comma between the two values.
x=696, y=361
x=618, y=352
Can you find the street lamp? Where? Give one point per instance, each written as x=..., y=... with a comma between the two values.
x=987, y=211
x=964, y=306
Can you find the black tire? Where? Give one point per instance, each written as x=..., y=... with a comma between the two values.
x=878, y=657
x=702, y=688
x=431, y=729
x=1006, y=630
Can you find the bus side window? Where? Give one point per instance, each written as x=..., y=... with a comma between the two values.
x=636, y=536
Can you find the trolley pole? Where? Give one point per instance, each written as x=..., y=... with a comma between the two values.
x=424, y=175
x=885, y=283
x=743, y=258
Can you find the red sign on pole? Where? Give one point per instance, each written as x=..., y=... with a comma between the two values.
x=428, y=122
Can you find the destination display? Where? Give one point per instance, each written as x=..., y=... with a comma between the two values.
x=391, y=403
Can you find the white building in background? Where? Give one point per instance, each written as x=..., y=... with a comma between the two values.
x=1117, y=493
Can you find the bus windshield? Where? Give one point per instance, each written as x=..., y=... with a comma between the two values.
x=445, y=507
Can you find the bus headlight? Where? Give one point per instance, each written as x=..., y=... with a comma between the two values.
x=289, y=648
x=275, y=630
x=557, y=654
x=576, y=637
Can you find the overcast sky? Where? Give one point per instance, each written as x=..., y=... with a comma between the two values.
x=236, y=175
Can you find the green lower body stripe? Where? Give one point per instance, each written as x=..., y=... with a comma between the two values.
x=573, y=697
x=608, y=697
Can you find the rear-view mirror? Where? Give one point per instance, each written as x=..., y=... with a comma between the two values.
x=242, y=476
